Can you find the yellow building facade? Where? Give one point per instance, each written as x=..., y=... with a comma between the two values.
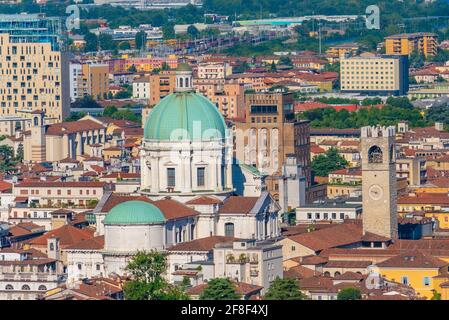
x=33, y=77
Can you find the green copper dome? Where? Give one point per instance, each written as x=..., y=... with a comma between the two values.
x=134, y=212
x=185, y=116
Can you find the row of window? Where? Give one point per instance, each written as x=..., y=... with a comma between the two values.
x=25, y=287
x=325, y=215
x=200, y=177
x=58, y=192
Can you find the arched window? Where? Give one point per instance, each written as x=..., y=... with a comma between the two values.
x=26, y=287
x=9, y=287
x=327, y=274
x=36, y=121
x=181, y=82
x=52, y=247
x=375, y=155
x=187, y=82
x=229, y=229
x=336, y=273
x=42, y=288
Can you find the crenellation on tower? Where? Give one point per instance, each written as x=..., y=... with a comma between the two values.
x=377, y=131
x=378, y=153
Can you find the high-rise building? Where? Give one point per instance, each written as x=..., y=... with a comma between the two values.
x=89, y=79
x=229, y=97
x=374, y=74
x=32, y=28
x=404, y=44
x=161, y=85
x=33, y=77
x=270, y=134
x=379, y=192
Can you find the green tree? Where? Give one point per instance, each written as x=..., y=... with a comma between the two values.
x=7, y=162
x=399, y=102
x=106, y=42
x=132, y=68
x=349, y=294
x=146, y=270
x=91, y=42
x=168, y=30
x=123, y=95
x=192, y=31
x=330, y=161
x=284, y=289
x=109, y=111
x=124, y=45
x=141, y=39
x=285, y=60
x=416, y=60
x=165, y=66
x=75, y=116
x=273, y=67
x=435, y=295
x=219, y=289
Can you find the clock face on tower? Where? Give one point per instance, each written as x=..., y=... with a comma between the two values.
x=375, y=192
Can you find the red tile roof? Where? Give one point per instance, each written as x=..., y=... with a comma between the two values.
x=238, y=204
x=60, y=129
x=96, y=243
x=203, y=244
x=413, y=259
x=5, y=186
x=174, y=210
x=339, y=235
x=66, y=234
x=424, y=198
x=204, y=200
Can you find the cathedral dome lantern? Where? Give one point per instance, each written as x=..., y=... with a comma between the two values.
x=184, y=78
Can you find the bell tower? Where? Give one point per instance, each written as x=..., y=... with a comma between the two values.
x=379, y=190
x=38, y=146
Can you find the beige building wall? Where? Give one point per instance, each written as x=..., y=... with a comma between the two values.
x=372, y=73
x=33, y=77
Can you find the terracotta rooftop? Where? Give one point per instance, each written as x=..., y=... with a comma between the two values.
x=96, y=243
x=60, y=129
x=204, y=200
x=173, y=209
x=238, y=204
x=66, y=234
x=338, y=235
x=412, y=259
x=203, y=244
x=349, y=275
x=300, y=272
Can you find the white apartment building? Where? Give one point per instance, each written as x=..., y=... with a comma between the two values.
x=141, y=88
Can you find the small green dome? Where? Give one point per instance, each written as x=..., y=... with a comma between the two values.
x=185, y=116
x=134, y=212
x=184, y=67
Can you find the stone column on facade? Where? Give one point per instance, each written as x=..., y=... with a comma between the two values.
x=155, y=176
x=187, y=173
x=213, y=173
x=218, y=165
x=228, y=167
x=78, y=141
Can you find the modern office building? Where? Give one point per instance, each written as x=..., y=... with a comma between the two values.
x=374, y=74
x=33, y=77
x=34, y=28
